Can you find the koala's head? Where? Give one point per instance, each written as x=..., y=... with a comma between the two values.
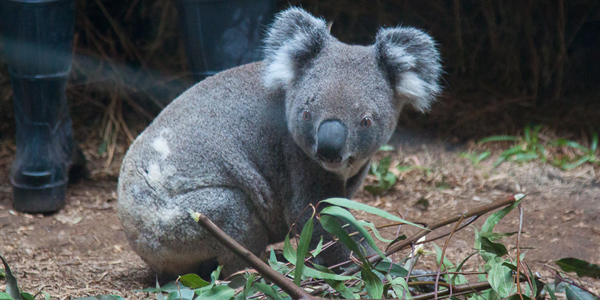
x=343, y=101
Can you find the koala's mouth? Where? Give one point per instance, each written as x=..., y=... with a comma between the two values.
x=336, y=164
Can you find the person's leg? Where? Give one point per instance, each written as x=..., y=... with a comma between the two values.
x=220, y=35
x=37, y=40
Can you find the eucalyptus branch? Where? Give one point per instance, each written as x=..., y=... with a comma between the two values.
x=406, y=243
x=281, y=281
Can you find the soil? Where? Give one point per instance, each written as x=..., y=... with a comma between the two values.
x=81, y=250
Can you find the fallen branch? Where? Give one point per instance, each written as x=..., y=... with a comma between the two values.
x=281, y=281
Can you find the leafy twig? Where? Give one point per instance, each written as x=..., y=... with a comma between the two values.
x=281, y=281
x=403, y=244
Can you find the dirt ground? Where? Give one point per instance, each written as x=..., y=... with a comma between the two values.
x=82, y=250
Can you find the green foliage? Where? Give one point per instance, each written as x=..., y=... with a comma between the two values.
x=385, y=279
x=588, y=155
x=302, y=250
x=530, y=146
x=581, y=267
x=527, y=147
x=12, y=288
x=476, y=158
x=384, y=178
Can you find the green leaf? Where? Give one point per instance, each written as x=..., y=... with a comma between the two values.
x=214, y=276
x=494, y=248
x=28, y=296
x=575, y=293
x=341, y=288
x=447, y=263
x=384, y=165
x=319, y=248
x=179, y=295
x=399, y=238
x=288, y=251
x=400, y=287
x=454, y=278
x=483, y=155
x=5, y=296
x=310, y=272
x=572, y=144
x=393, y=269
x=267, y=290
x=12, y=288
x=493, y=219
x=193, y=281
x=248, y=286
x=345, y=215
x=581, y=267
x=576, y=164
x=388, y=180
x=512, y=151
x=500, y=278
x=374, y=230
x=488, y=227
x=550, y=292
x=331, y=225
x=498, y=138
x=499, y=161
x=369, y=209
x=303, y=244
x=217, y=292
x=525, y=156
x=372, y=283
x=272, y=256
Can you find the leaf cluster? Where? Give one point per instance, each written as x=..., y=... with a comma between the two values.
x=502, y=276
x=531, y=146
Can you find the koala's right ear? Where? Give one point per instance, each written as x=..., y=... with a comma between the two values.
x=294, y=38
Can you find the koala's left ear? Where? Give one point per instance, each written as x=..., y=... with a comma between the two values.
x=411, y=62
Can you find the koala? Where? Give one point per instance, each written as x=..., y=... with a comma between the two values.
x=253, y=146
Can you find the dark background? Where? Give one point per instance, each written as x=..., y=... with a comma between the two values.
x=507, y=63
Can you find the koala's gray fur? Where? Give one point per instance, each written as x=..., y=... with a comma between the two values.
x=241, y=148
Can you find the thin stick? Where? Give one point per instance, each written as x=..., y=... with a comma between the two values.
x=458, y=289
x=519, y=254
x=281, y=281
x=403, y=244
x=437, y=276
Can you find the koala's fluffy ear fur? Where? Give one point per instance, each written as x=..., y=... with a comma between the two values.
x=412, y=64
x=294, y=38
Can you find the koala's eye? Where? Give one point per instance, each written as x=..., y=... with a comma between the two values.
x=306, y=115
x=366, y=122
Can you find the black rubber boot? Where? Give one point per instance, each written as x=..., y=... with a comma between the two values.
x=37, y=40
x=222, y=34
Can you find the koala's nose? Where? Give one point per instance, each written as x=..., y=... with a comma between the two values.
x=331, y=139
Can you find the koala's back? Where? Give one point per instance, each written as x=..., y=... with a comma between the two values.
x=226, y=131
